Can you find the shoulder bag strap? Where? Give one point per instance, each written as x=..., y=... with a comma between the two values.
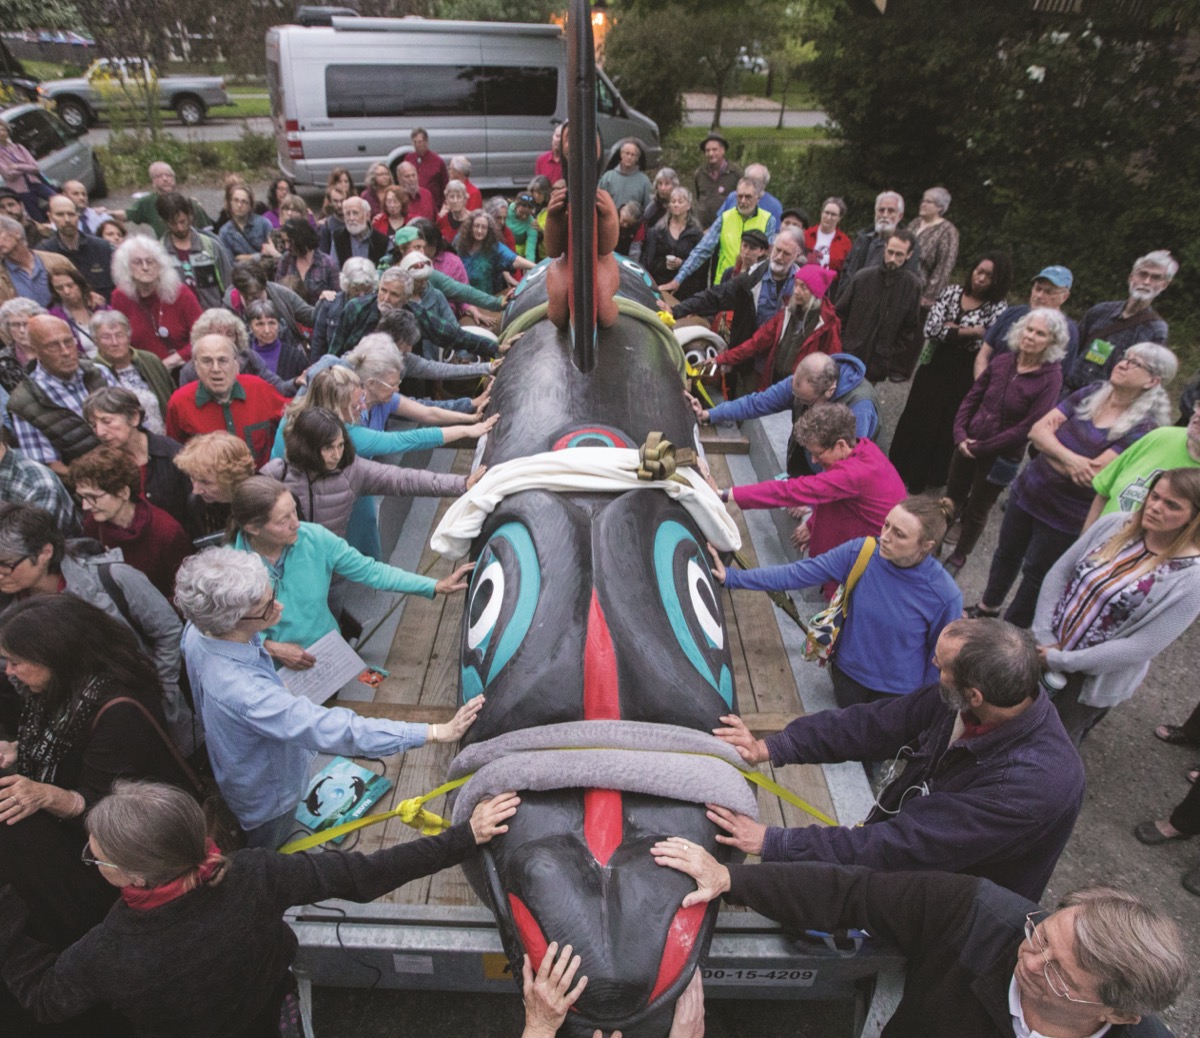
x=117, y=593
x=186, y=768
x=859, y=568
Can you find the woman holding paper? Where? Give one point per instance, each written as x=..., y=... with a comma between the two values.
x=301, y=559
x=261, y=738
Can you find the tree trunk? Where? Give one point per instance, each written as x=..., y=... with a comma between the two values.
x=720, y=78
x=782, y=101
x=771, y=80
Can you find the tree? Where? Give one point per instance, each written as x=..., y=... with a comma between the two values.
x=1067, y=141
x=40, y=14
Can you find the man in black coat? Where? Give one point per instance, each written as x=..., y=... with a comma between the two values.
x=983, y=962
x=358, y=237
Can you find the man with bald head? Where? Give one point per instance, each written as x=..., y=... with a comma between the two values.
x=222, y=400
x=92, y=256
x=89, y=218
x=420, y=201
x=47, y=407
x=759, y=173
x=162, y=177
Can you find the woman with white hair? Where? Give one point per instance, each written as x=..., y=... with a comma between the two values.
x=937, y=241
x=14, y=326
x=358, y=278
x=993, y=422
x=261, y=738
x=1051, y=497
x=159, y=307
x=666, y=180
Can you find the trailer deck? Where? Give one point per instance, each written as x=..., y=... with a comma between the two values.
x=434, y=933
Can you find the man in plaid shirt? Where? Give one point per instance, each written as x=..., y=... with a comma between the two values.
x=26, y=482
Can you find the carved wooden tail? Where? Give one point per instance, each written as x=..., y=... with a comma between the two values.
x=581, y=183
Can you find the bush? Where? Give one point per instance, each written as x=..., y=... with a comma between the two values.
x=645, y=58
x=255, y=150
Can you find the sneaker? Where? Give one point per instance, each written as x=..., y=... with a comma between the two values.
x=955, y=563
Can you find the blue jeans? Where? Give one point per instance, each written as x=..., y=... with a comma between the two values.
x=274, y=834
x=1027, y=546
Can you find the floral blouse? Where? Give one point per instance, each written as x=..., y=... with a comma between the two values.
x=948, y=310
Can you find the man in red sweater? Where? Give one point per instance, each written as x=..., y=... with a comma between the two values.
x=431, y=170
x=224, y=401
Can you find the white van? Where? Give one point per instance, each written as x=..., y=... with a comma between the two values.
x=351, y=93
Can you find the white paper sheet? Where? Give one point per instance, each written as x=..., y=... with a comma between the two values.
x=336, y=664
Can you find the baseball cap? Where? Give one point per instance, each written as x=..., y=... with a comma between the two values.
x=1059, y=276
x=405, y=236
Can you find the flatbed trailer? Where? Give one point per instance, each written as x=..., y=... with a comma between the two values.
x=434, y=934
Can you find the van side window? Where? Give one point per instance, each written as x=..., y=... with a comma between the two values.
x=605, y=102
x=402, y=90
x=522, y=91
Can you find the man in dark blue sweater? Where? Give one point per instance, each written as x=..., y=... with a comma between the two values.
x=990, y=784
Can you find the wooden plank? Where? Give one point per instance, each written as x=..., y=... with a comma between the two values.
x=724, y=444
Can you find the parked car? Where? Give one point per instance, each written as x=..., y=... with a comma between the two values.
x=112, y=82
x=61, y=152
x=14, y=76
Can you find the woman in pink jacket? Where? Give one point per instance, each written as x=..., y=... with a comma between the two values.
x=850, y=498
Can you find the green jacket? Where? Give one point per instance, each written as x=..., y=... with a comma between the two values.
x=70, y=435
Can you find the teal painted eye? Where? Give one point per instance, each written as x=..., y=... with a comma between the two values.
x=504, y=594
x=689, y=599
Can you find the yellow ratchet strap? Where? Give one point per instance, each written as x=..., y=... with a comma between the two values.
x=698, y=386
x=758, y=778
x=410, y=812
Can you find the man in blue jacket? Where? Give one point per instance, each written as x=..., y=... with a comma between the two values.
x=989, y=784
x=839, y=379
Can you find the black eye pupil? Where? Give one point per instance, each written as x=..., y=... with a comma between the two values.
x=705, y=594
x=481, y=598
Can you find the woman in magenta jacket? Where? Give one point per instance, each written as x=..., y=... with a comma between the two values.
x=993, y=421
x=850, y=498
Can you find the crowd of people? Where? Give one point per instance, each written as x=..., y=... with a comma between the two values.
x=193, y=413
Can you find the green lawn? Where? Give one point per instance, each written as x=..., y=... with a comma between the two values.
x=243, y=107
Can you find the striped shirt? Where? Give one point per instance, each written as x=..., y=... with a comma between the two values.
x=69, y=393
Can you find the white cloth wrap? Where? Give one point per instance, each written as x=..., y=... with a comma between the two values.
x=632, y=756
x=579, y=470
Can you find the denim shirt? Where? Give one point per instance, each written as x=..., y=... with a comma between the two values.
x=262, y=739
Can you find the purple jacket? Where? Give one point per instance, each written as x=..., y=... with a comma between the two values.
x=1002, y=406
x=1000, y=805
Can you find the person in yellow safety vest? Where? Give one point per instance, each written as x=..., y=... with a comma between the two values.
x=726, y=233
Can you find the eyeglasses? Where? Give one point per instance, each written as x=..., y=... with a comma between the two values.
x=1133, y=362
x=87, y=859
x=6, y=568
x=386, y=385
x=143, y=261
x=1054, y=979
x=92, y=499
x=266, y=613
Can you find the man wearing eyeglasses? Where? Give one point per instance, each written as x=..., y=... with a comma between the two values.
x=1109, y=329
x=983, y=962
x=47, y=407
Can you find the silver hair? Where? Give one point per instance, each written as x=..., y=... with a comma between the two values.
x=358, y=272
x=839, y=202
x=460, y=163
x=19, y=307
x=357, y=202
x=764, y=177
x=753, y=183
x=216, y=588
x=1153, y=405
x=261, y=308
x=792, y=232
x=1161, y=361
x=169, y=282
x=821, y=371
x=7, y=223
x=375, y=356
x=102, y=319
x=667, y=174
x=940, y=198
x=402, y=276
x=1056, y=325
x=1158, y=258
x=891, y=194
x=454, y=185
x=1135, y=951
x=219, y=321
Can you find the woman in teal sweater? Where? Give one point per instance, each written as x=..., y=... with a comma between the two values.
x=302, y=559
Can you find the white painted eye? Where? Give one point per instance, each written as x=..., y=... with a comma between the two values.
x=695, y=357
x=486, y=598
x=704, y=602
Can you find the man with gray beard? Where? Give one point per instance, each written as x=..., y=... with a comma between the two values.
x=982, y=780
x=1109, y=329
x=867, y=250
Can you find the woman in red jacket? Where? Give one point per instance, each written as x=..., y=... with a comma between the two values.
x=109, y=485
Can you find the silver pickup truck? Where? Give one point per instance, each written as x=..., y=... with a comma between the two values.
x=110, y=83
